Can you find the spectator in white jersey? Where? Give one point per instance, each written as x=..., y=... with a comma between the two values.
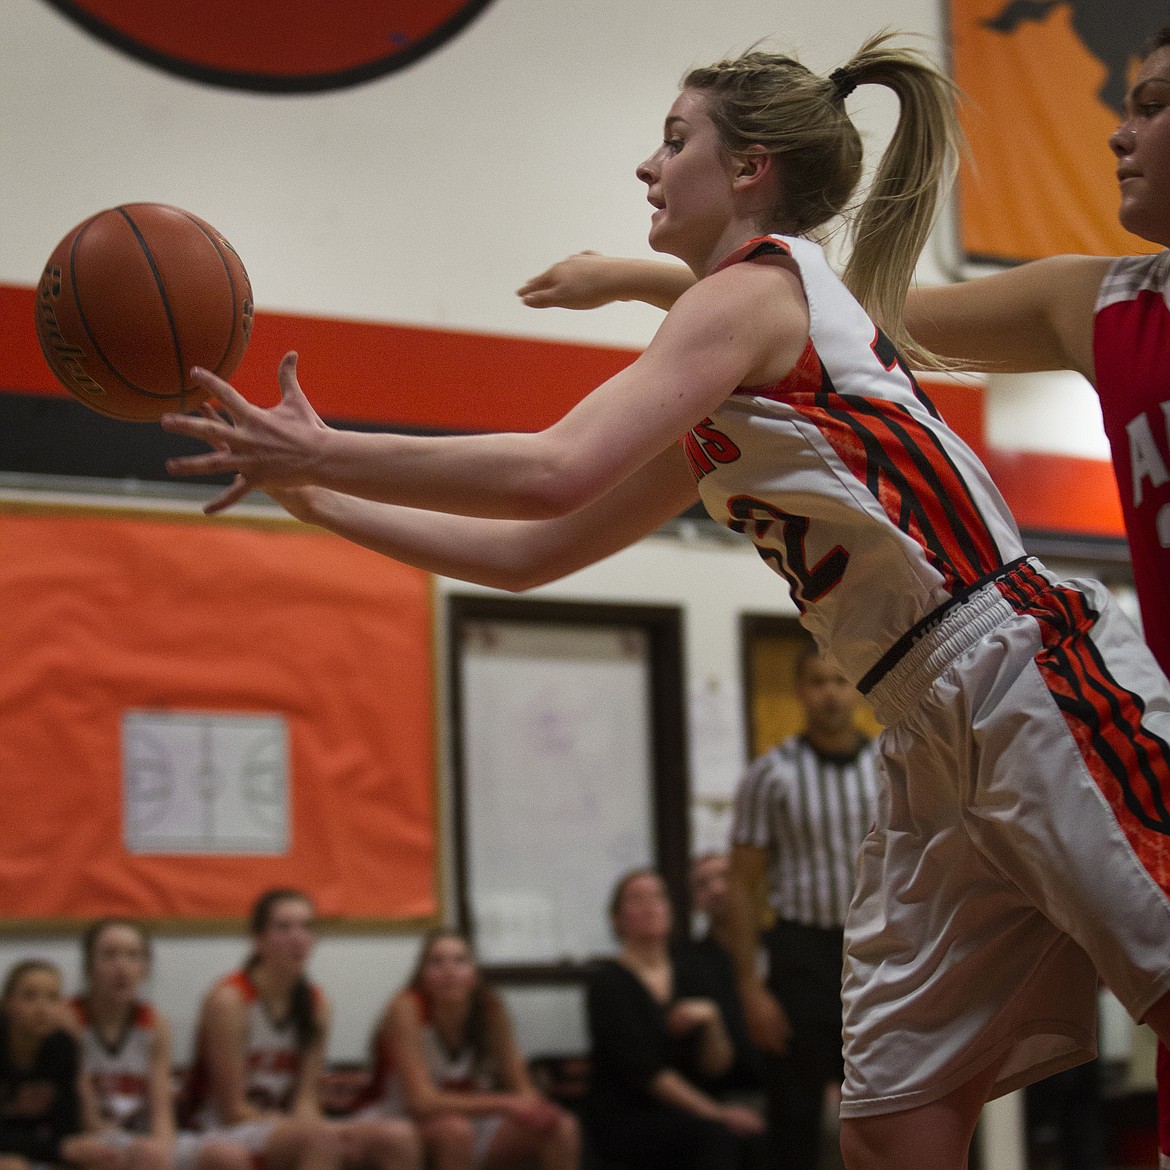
x=125, y=1042
x=260, y=1053
x=801, y=811
x=445, y=1053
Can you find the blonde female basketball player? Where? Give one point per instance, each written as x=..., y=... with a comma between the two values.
x=1026, y=758
x=1107, y=318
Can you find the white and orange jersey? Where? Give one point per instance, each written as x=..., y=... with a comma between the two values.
x=848, y=481
x=120, y=1072
x=459, y=1071
x=272, y=1060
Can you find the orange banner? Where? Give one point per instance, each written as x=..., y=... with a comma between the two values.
x=1045, y=82
x=192, y=712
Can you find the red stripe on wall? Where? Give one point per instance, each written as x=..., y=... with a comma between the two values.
x=448, y=380
x=1058, y=492
x=375, y=372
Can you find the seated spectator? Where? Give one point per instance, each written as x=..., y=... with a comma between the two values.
x=657, y=1035
x=711, y=954
x=40, y=1099
x=445, y=1055
x=260, y=1050
x=127, y=1100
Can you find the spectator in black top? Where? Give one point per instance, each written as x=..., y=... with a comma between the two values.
x=656, y=1034
x=40, y=1103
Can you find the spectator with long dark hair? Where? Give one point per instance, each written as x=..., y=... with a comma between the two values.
x=40, y=1099
x=445, y=1054
x=260, y=1053
x=127, y=1099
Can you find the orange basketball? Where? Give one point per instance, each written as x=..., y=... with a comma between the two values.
x=134, y=297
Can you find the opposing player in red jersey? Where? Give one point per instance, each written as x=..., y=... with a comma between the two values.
x=1023, y=829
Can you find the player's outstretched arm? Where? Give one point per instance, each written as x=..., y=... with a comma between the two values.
x=717, y=336
x=505, y=554
x=588, y=280
x=1038, y=316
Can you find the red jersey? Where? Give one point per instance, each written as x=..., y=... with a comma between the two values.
x=1131, y=350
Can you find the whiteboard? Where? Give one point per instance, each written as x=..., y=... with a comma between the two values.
x=558, y=782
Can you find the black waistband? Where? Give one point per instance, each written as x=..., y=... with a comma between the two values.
x=921, y=628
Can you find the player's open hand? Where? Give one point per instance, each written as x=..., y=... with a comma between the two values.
x=276, y=447
x=585, y=280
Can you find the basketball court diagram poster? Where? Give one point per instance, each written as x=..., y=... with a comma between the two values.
x=192, y=712
x=1044, y=84
x=205, y=783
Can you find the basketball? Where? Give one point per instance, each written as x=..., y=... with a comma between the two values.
x=135, y=296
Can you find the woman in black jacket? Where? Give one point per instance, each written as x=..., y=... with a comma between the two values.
x=40, y=1103
x=657, y=1035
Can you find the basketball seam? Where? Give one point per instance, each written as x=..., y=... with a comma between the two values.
x=162, y=292
x=89, y=332
x=231, y=285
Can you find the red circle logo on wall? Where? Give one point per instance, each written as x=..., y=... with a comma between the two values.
x=275, y=45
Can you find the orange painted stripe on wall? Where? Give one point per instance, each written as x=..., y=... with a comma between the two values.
x=411, y=376
x=1057, y=492
x=376, y=372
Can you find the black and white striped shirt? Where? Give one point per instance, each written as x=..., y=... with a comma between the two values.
x=810, y=812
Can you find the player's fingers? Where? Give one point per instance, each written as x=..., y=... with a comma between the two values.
x=286, y=376
x=240, y=487
x=212, y=463
x=225, y=392
x=210, y=428
x=208, y=410
x=533, y=284
x=537, y=298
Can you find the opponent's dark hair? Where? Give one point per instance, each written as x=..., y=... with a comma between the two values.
x=1159, y=40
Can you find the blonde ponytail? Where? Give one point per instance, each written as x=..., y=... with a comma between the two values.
x=889, y=230
x=773, y=101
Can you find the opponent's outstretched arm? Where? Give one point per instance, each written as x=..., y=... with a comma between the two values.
x=1038, y=316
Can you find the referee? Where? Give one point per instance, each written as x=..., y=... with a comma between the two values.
x=801, y=811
